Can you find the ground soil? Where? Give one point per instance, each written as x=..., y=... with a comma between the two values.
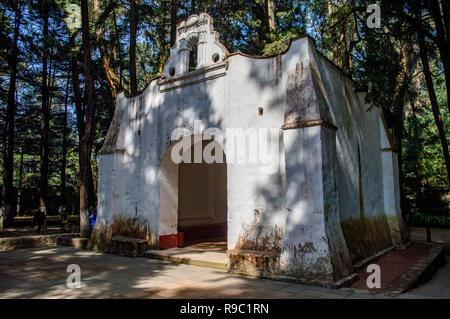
x=392, y=265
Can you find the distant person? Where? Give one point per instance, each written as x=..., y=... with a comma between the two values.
x=92, y=216
x=39, y=219
x=64, y=217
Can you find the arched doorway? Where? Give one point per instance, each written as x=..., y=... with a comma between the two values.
x=202, y=199
x=193, y=195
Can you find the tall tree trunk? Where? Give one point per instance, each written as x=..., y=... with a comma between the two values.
x=133, y=27
x=89, y=127
x=91, y=188
x=64, y=147
x=51, y=81
x=119, y=51
x=3, y=222
x=442, y=41
x=334, y=43
x=270, y=7
x=262, y=29
x=45, y=113
x=113, y=80
x=345, y=57
x=446, y=17
x=161, y=43
x=19, y=189
x=111, y=76
x=80, y=116
x=8, y=154
x=173, y=22
x=434, y=103
x=77, y=92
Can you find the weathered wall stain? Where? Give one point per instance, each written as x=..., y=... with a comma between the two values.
x=339, y=254
x=307, y=247
x=100, y=238
x=121, y=226
x=254, y=264
x=136, y=227
x=318, y=268
x=398, y=231
x=261, y=237
x=366, y=236
x=109, y=145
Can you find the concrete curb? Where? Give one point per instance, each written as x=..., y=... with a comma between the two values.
x=341, y=283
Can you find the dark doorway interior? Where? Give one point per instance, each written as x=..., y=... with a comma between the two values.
x=202, y=200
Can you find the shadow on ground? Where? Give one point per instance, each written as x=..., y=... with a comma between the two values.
x=41, y=273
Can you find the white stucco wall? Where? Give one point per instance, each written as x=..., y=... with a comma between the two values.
x=365, y=226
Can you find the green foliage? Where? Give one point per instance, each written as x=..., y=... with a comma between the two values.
x=425, y=176
x=280, y=45
x=423, y=220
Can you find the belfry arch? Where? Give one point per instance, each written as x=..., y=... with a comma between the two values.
x=195, y=34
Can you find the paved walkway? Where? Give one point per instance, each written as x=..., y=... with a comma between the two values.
x=438, y=286
x=41, y=273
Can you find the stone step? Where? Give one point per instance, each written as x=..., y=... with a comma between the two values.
x=188, y=256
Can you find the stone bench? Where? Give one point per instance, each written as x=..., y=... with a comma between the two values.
x=130, y=247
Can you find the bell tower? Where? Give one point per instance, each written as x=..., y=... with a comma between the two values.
x=196, y=33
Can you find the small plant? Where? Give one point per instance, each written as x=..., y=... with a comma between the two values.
x=418, y=219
